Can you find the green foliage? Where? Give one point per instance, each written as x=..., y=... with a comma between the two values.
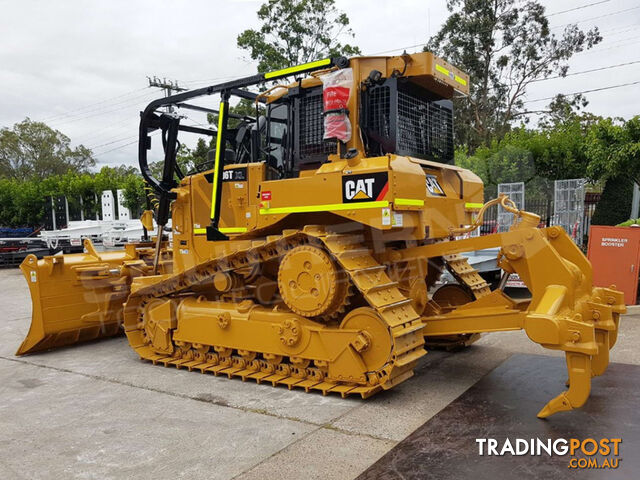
x=295, y=32
x=504, y=163
x=614, y=206
x=199, y=154
x=7, y=197
x=112, y=178
x=613, y=148
x=559, y=149
x=134, y=194
x=37, y=162
x=504, y=45
x=22, y=202
x=184, y=159
x=34, y=150
x=563, y=109
x=629, y=223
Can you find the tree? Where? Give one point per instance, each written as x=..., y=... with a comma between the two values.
x=33, y=150
x=295, y=32
x=613, y=149
x=503, y=162
x=563, y=109
x=28, y=203
x=557, y=149
x=504, y=45
x=614, y=206
x=200, y=154
x=134, y=193
x=23, y=202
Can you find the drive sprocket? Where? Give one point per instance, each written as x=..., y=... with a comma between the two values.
x=311, y=283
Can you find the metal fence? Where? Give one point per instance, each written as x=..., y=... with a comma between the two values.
x=568, y=207
x=515, y=192
x=579, y=231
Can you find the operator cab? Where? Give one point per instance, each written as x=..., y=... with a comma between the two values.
x=396, y=116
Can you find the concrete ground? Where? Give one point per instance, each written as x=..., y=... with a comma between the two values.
x=96, y=411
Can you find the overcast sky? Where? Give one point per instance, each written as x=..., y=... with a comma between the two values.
x=81, y=65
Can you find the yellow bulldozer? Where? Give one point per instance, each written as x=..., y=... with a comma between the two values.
x=307, y=250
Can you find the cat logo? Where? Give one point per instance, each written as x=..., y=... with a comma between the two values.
x=433, y=187
x=365, y=187
x=361, y=189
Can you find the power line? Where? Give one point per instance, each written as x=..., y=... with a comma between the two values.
x=629, y=27
x=206, y=80
x=584, y=91
x=70, y=112
x=596, y=18
x=82, y=112
x=121, y=123
x=549, y=78
x=424, y=44
x=587, y=71
x=620, y=30
x=114, y=149
x=557, y=26
x=125, y=145
x=614, y=45
x=101, y=111
x=134, y=139
x=620, y=40
x=169, y=87
x=578, y=8
x=97, y=113
x=93, y=147
x=396, y=49
x=122, y=139
x=195, y=122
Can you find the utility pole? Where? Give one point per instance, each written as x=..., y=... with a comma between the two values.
x=168, y=86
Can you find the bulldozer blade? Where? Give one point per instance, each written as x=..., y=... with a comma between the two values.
x=75, y=298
